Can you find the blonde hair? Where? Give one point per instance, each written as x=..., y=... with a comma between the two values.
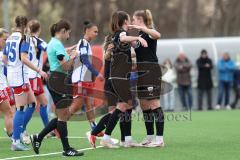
x=2, y=32
x=146, y=16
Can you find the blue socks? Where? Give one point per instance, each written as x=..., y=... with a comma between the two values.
x=18, y=121
x=28, y=114
x=44, y=114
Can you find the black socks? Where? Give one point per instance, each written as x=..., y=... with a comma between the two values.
x=101, y=124
x=159, y=120
x=63, y=132
x=113, y=121
x=128, y=122
x=50, y=127
x=149, y=118
x=61, y=127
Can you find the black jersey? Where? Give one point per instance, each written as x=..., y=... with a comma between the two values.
x=147, y=54
x=120, y=47
x=120, y=67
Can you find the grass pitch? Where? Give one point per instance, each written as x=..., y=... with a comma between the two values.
x=208, y=135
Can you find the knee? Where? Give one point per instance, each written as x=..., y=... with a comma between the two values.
x=9, y=114
x=64, y=115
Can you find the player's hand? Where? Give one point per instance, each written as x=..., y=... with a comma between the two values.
x=43, y=74
x=143, y=42
x=70, y=49
x=134, y=27
x=100, y=77
x=110, y=47
x=73, y=55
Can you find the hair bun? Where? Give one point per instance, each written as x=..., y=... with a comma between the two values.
x=86, y=22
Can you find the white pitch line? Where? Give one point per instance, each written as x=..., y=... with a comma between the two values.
x=46, y=154
x=70, y=137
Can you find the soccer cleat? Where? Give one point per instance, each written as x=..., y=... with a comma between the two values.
x=131, y=143
x=228, y=107
x=101, y=134
x=147, y=140
x=218, y=107
x=92, y=140
x=155, y=144
x=71, y=152
x=25, y=138
x=19, y=147
x=108, y=143
x=35, y=143
x=121, y=144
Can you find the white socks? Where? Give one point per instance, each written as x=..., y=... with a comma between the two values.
x=106, y=137
x=128, y=138
x=159, y=138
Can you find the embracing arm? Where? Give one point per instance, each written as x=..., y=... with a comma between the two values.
x=152, y=32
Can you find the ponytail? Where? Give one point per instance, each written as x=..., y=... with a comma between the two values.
x=56, y=27
x=149, y=18
x=53, y=29
x=117, y=20
x=146, y=16
x=88, y=24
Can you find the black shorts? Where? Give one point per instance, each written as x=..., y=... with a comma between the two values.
x=120, y=92
x=60, y=90
x=149, y=91
x=110, y=94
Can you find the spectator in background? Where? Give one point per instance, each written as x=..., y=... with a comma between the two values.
x=205, y=84
x=170, y=77
x=236, y=86
x=183, y=67
x=226, y=69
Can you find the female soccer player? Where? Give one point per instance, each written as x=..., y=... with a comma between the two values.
x=111, y=99
x=143, y=21
x=109, y=92
x=84, y=73
x=36, y=50
x=4, y=97
x=60, y=62
x=16, y=56
x=122, y=59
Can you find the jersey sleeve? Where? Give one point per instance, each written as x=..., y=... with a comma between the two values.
x=83, y=47
x=25, y=44
x=121, y=34
x=90, y=67
x=24, y=47
x=42, y=45
x=60, y=50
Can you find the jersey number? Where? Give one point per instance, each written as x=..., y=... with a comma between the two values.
x=11, y=51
